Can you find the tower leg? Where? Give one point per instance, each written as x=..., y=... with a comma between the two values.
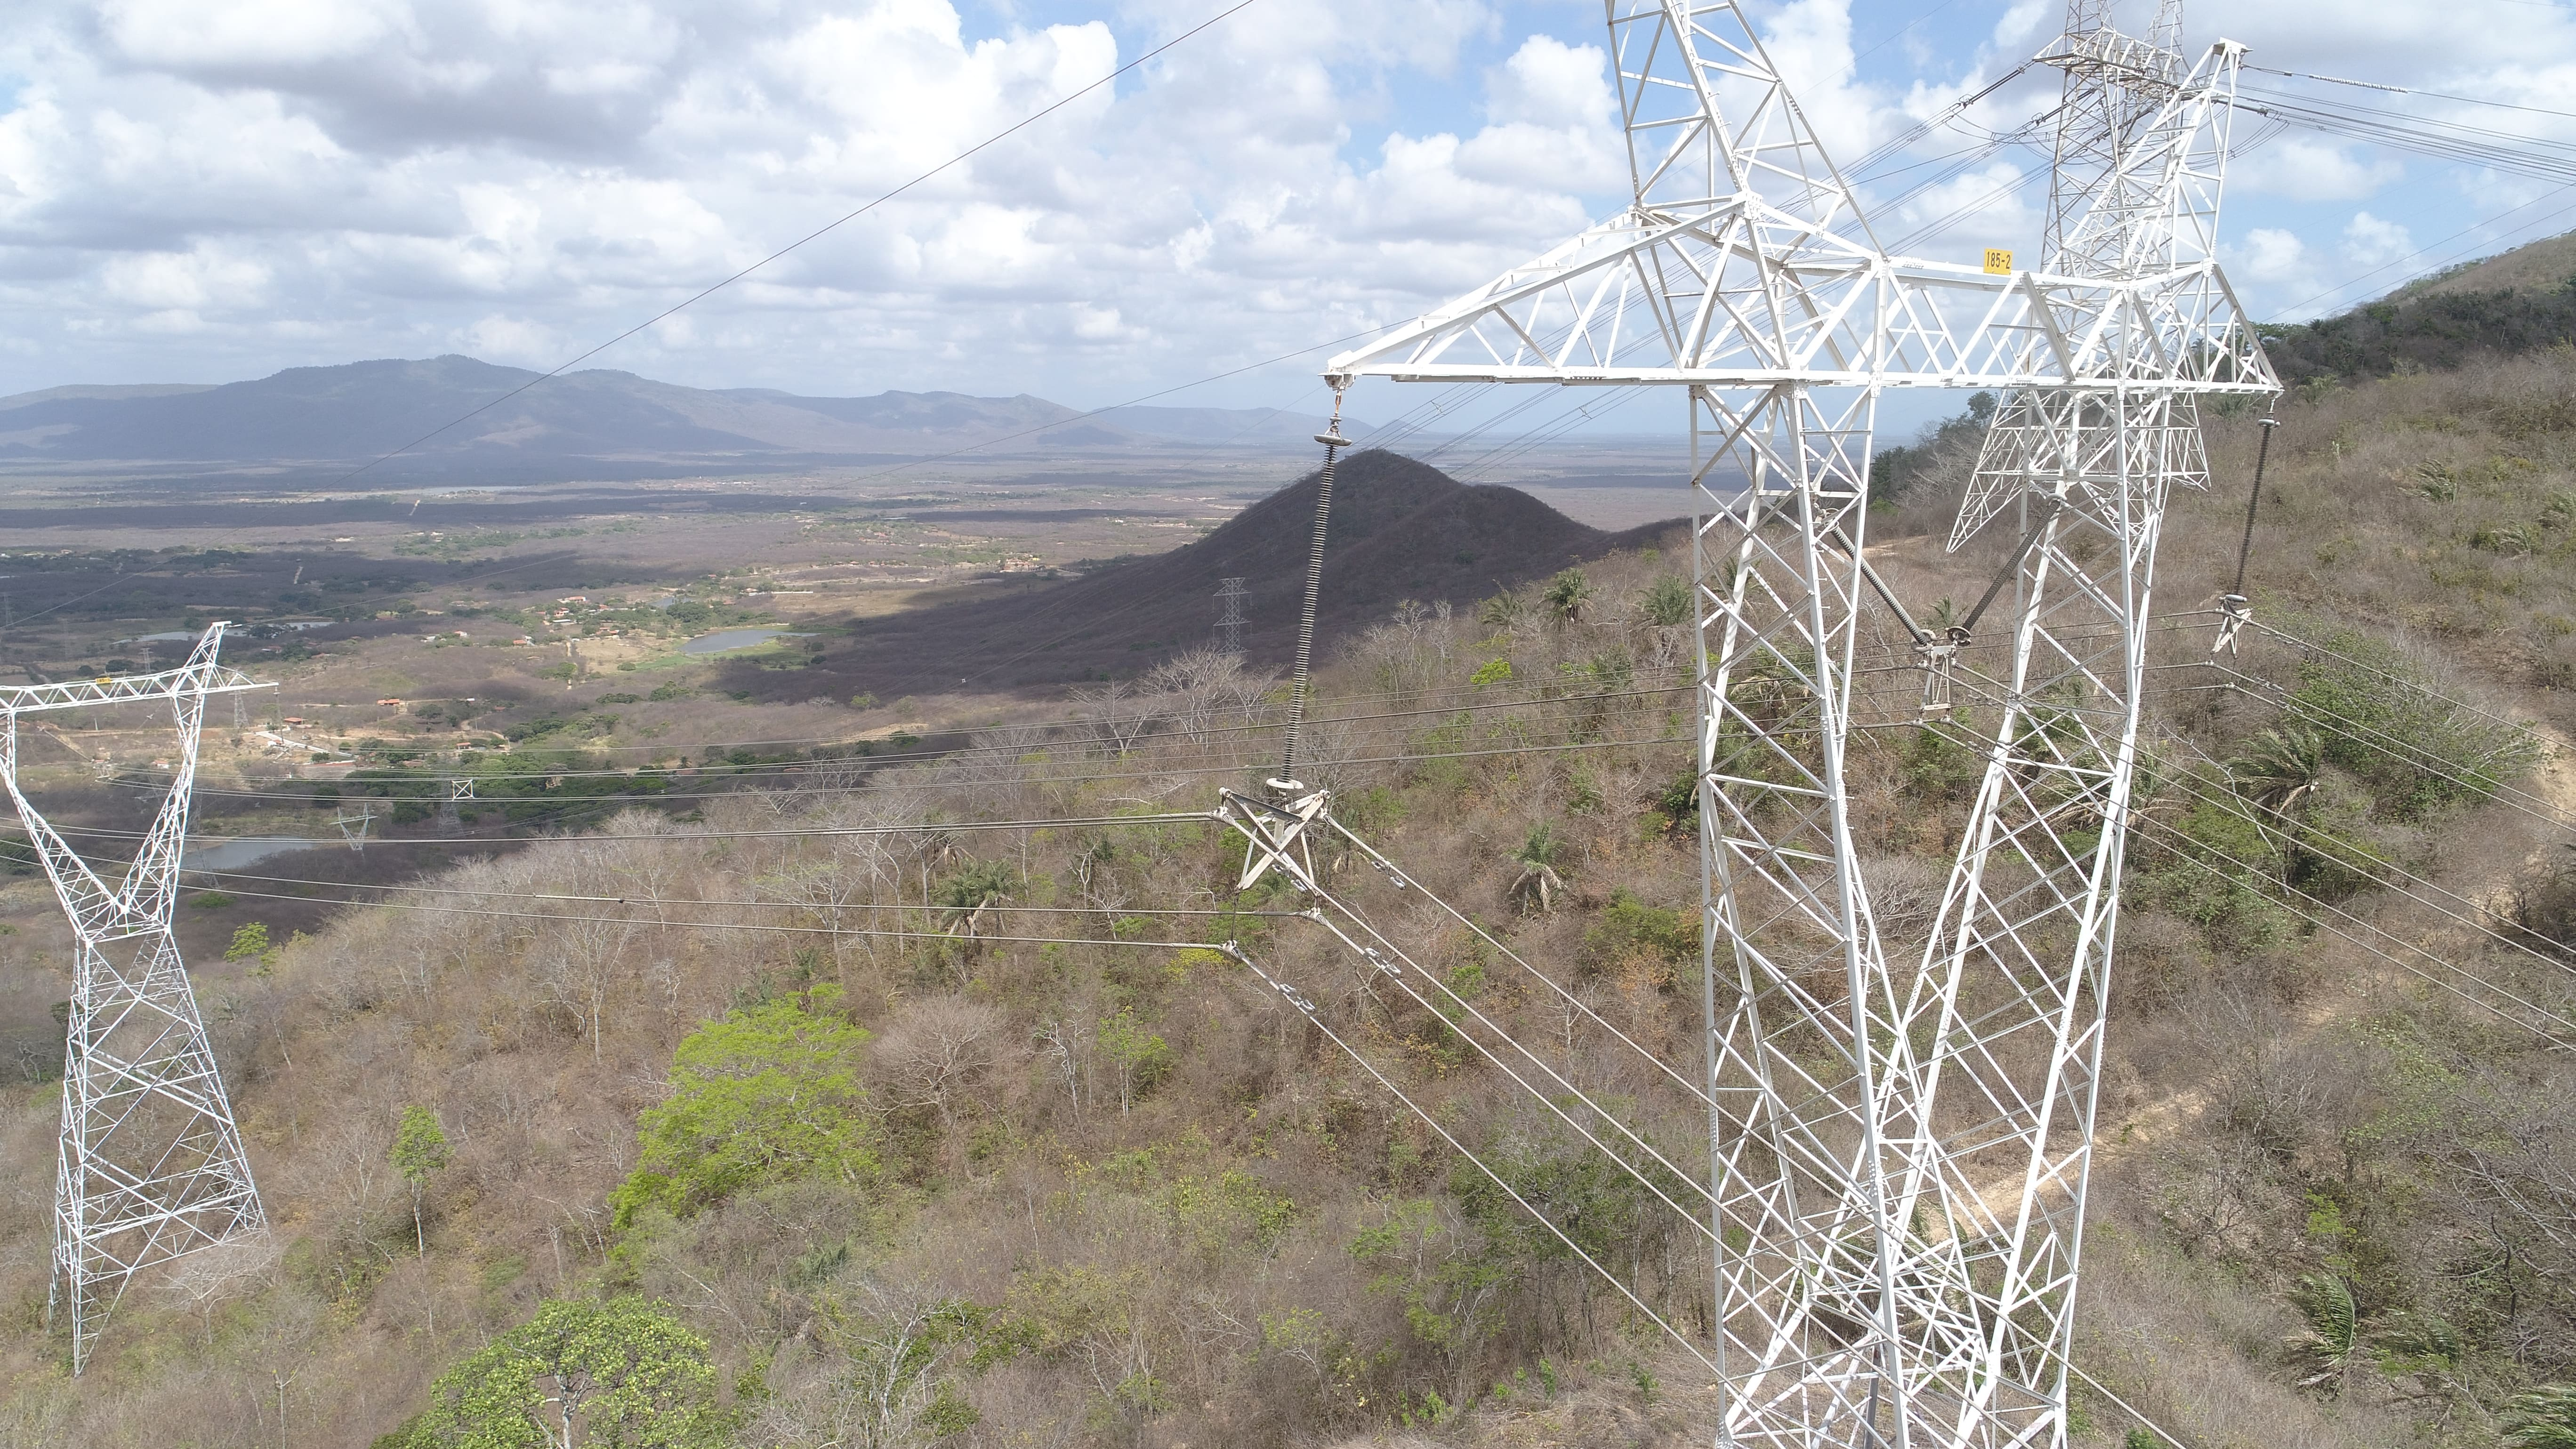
x=2015, y=977
x=1808, y=1080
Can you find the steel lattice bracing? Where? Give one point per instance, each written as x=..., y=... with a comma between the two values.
x=2015, y=978
x=1804, y=1062
x=2112, y=82
x=1899, y=1149
x=151, y=1164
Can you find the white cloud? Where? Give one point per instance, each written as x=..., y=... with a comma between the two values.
x=2373, y=242
x=2272, y=255
x=1991, y=205
x=2309, y=168
x=200, y=280
x=300, y=181
x=1550, y=83
x=214, y=188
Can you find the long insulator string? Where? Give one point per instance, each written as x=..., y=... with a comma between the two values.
x=2253, y=500
x=1333, y=441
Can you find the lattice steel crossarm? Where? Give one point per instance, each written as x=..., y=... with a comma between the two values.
x=1592, y=312
x=1723, y=285
x=151, y=1164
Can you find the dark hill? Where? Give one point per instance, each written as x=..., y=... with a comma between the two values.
x=1400, y=530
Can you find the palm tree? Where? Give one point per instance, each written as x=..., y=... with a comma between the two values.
x=1566, y=594
x=1538, y=878
x=2333, y=1340
x=2545, y=1418
x=963, y=897
x=2279, y=767
x=1667, y=602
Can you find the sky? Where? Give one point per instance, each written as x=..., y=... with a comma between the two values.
x=211, y=190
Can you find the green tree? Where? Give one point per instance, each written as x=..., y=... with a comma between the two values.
x=251, y=943
x=618, y=1375
x=1142, y=1056
x=420, y=1153
x=768, y=1094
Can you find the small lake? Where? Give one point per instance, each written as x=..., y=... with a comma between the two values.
x=724, y=640
x=244, y=851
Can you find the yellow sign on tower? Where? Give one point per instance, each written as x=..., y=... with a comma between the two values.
x=1999, y=261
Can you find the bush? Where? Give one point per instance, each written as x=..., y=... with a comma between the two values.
x=768, y=1094
x=1630, y=933
x=619, y=1375
x=2543, y=906
x=2417, y=752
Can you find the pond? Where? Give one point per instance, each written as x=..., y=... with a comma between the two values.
x=244, y=851
x=726, y=640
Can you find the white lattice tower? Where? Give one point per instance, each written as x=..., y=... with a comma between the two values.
x=151, y=1164
x=1869, y=1293
x=2016, y=974
x=1230, y=595
x=2112, y=83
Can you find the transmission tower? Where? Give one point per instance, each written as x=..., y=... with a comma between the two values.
x=2020, y=953
x=1898, y=1149
x=151, y=1165
x=1229, y=618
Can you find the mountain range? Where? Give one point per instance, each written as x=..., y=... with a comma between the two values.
x=591, y=424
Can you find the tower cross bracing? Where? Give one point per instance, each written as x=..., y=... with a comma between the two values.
x=1900, y=1144
x=151, y=1163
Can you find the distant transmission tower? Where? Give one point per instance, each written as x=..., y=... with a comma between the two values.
x=152, y=1165
x=1229, y=620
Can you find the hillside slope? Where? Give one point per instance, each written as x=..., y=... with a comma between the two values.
x=897, y=1099
x=1400, y=530
x=2519, y=301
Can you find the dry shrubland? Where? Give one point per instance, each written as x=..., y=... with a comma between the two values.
x=1080, y=1184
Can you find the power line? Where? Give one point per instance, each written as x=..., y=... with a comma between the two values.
x=2189, y=845
x=2411, y=91
x=1307, y=1008
x=2343, y=846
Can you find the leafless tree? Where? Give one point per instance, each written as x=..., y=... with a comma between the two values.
x=207, y=1279
x=583, y=962
x=934, y=1046
x=1063, y=1044
x=1119, y=713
